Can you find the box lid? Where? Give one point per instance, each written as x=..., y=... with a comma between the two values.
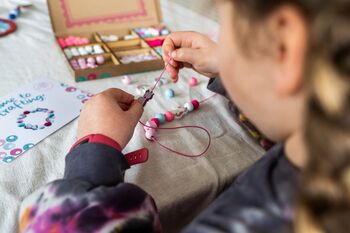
x=71, y=17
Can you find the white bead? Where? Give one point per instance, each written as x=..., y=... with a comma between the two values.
x=98, y=49
x=126, y=80
x=105, y=38
x=88, y=49
x=109, y=38
x=75, y=52
x=68, y=53
x=129, y=37
x=113, y=38
x=82, y=51
x=189, y=106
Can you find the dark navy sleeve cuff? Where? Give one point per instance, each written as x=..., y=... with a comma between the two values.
x=98, y=164
x=216, y=86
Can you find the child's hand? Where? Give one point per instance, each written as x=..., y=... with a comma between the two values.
x=192, y=50
x=113, y=113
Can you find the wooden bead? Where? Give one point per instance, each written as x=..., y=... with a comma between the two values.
x=126, y=80
x=193, y=82
x=160, y=117
x=189, y=106
x=150, y=134
x=91, y=60
x=156, y=120
x=169, y=93
x=195, y=104
x=100, y=59
x=169, y=116
x=150, y=125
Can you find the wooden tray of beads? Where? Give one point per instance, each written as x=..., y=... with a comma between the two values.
x=108, y=38
x=105, y=55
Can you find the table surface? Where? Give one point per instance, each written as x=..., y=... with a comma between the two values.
x=181, y=187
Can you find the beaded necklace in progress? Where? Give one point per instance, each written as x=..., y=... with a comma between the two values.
x=153, y=124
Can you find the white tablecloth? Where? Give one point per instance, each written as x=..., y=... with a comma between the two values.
x=181, y=187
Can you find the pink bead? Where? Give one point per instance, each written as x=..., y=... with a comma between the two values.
x=193, y=82
x=85, y=40
x=100, y=60
x=83, y=67
x=126, y=80
x=82, y=63
x=78, y=41
x=150, y=134
x=75, y=64
x=169, y=116
x=91, y=60
x=73, y=40
x=91, y=66
x=156, y=120
x=195, y=104
x=62, y=43
x=69, y=43
x=151, y=125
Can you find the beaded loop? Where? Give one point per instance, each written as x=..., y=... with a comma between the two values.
x=48, y=120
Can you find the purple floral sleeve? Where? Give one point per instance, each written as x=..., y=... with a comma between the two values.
x=92, y=197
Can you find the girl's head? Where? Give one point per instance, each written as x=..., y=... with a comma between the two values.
x=286, y=63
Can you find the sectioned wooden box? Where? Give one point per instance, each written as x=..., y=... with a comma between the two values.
x=95, y=18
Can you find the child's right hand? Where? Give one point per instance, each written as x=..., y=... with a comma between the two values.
x=191, y=50
x=113, y=113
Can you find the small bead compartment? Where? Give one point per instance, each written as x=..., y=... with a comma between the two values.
x=113, y=53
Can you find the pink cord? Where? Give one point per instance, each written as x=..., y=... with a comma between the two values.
x=160, y=76
x=206, y=99
x=181, y=127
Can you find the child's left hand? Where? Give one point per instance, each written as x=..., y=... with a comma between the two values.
x=113, y=113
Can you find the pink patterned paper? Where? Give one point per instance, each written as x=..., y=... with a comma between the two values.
x=118, y=17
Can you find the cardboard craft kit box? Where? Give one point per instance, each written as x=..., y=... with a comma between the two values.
x=107, y=38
